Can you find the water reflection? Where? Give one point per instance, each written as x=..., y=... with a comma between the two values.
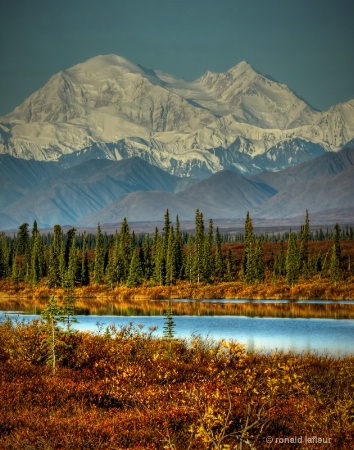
x=335, y=337
x=231, y=307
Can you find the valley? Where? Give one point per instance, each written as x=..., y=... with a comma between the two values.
x=104, y=191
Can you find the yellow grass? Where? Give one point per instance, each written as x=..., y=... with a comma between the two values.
x=315, y=288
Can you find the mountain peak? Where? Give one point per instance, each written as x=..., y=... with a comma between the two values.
x=241, y=67
x=111, y=107
x=105, y=64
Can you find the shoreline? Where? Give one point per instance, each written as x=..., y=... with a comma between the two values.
x=187, y=299
x=314, y=289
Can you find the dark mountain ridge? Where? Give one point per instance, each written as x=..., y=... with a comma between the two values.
x=329, y=164
x=71, y=194
x=107, y=191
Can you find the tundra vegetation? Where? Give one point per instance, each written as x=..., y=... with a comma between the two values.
x=125, y=388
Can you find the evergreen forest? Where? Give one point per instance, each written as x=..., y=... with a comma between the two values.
x=68, y=259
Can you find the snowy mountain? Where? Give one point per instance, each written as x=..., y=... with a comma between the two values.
x=110, y=108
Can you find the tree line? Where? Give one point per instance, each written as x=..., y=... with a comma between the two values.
x=163, y=258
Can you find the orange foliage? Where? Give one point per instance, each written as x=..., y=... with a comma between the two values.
x=126, y=389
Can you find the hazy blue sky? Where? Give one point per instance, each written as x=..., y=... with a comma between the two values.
x=306, y=44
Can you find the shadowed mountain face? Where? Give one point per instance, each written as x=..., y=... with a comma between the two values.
x=324, y=184
x=223, y=195
x=325, y=166
x=18, y=177
x=107, y=191
x=72, y=194
x=317, y=195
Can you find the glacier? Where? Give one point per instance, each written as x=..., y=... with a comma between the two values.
x=111, y=108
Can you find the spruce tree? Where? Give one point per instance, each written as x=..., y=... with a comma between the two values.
x=146, y=252
x=4, y=257
x=166, y=233
x=252, y=266
x=219, y=257
x=171, y=270
x=179, y=257
x=37, y=259
x=23, y=250
x=112, y=271
x=250, y=275
x=70, y=237
x=126, y=247
x=62, y=264
x=98, y=273
x=199, y=245
x=292, y=260
x=54, y=270
x=169, y=325
x=68, y=311
x=34, y=229
x=259, y=260
x=85, y=273
x=158, y=261
x=23, y=240
x=135, y=276
x=72, y=272
x=15, y=270
x=190, y=265
x=208, y=257
x=304, y=251
x=229, y=265
x=248, y=244
x=169, y=329
x=164, y=246
x=52, y=314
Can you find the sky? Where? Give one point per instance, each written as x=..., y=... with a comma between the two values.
x=306, y=44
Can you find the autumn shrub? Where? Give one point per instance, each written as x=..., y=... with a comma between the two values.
x=119, y=388
x=100, y=297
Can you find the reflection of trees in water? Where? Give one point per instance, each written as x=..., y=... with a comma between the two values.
x=130, y=307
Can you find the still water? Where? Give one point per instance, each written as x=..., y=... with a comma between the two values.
x=332, y=336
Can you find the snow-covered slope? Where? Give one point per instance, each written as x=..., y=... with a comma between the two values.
x=109, y=107
x=252, y=98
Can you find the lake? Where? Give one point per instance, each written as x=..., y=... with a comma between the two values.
x=332, y=336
